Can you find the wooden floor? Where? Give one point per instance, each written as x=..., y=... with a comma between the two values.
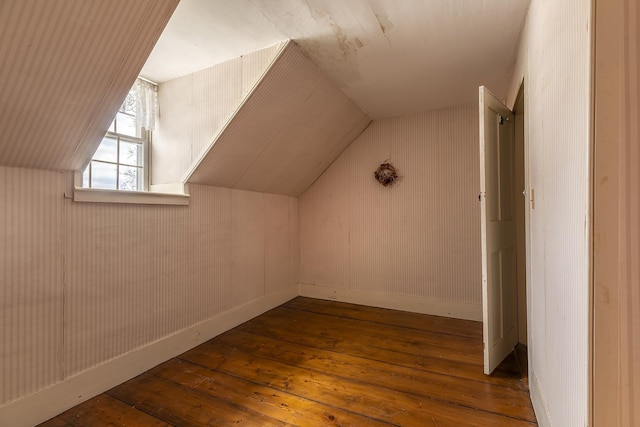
x=323, y=363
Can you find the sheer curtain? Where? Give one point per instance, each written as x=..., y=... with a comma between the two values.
x=146, y=103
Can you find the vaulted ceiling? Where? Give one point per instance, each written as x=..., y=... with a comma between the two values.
x=66, y=66
x=290, y=128
x=391, y=57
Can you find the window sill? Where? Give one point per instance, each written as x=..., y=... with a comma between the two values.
x=94, y=195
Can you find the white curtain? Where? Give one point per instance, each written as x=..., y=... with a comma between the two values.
x=146, y=103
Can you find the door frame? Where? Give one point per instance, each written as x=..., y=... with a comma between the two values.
x=520, y=108
x=522, y=99
x=498, y=229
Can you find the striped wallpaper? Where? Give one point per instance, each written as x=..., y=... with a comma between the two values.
x=419, y=237
x=195, y=107
x=66, y=66
x=289, y=129
x=555, y=61
x=31, y=280
x=82, y=283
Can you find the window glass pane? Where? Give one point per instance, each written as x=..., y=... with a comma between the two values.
x=126, y=125
x=130, y=153
x=120, y=155
x=85, y=177
x=130, y=178
x=103, y=175
x=108, y=150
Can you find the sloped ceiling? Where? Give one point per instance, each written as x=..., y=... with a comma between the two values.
x=66, y=67
x=291, y=127
x=391, y=57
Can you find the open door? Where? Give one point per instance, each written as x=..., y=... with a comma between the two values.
x=499, y=292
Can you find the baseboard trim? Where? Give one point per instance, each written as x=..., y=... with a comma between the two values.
x=397, y=302
x=49, y=402
x=537, y=399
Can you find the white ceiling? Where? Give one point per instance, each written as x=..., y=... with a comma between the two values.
x=391, y=57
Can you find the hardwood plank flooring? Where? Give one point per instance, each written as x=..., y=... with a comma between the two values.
x=323, y=363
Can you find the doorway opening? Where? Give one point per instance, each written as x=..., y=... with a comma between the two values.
x=520, y=211
x=504, y=214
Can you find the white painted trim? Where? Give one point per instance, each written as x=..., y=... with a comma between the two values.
x=537, y=399
x=178, y=188
x=48, y=403
x=396, y=302
x=95, y=195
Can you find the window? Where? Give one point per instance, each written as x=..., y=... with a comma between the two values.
x=118, y=171
x=121, y=160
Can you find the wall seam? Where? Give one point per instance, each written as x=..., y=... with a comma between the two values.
x=63, y=252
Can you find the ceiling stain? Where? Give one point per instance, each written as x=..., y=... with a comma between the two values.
x=338, y=32
x=341, y=38
x=385, y=25
x=340, y=65
x=382, y=27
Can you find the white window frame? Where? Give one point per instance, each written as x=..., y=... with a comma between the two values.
x=145, y=143
x=171, y=194
x=142, y=137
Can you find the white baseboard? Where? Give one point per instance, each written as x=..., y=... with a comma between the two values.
x=397, y=302
x=537, y=399
x=48, y=403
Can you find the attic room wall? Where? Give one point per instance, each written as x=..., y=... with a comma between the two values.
x=616, y=298
x=415, y=245
x=83, y=283
x=555, y=61
x=194, y=108
x=66, y=69
x=31, y=280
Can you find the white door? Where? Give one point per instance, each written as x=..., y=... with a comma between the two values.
x=499, y=294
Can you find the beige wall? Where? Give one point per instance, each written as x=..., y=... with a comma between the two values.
x=67, y=67
x=194, y=108
x=417, y=240
x=31, y=280
x=82, y=283
x=616, y=318
x=290, y=128
x=554, y=59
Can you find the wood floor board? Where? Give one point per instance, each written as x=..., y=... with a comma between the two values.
x=104, y=410
x=437, y=324
x=404, y=340
x=507, y=375
x=321, y=363
x=333, y=379
x=443, y=325
x=184, y=406
x=456, y=361
x=513, y=402
x=55, y=422
x=355, y=396
x=275, y=403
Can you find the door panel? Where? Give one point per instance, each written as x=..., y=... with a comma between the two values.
x=506, y=159
x=499, y=293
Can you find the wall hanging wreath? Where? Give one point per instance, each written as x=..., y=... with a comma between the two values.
x=386, y=174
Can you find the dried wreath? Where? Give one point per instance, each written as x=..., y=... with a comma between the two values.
x=386, y=174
